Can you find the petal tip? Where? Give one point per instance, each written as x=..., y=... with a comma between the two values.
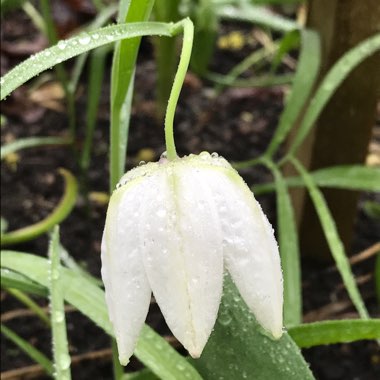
x=124, y=360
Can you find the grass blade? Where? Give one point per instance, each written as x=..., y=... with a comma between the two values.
x=351, y=177
x=307, y=71
x=61, y=211
x=333, y=240
x=62, y=359
x=256, y=15
x=31, y=351
x=31, y=142
x=151, y=350
x=96, y=74
x=330, y=83
x=122, y=75
x=11, y=279
x=289, y=250
x=66, y=49
x=259, y=81
x=331, y=332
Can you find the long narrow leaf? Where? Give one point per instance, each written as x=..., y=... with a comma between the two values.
x=31, y=351
x=11, y=279
x=331, y=332
x=123, y=68
x=351, y=177
x=31, y=142
x=61, y=211
x=66, y=49
x=257, y=15
x=62, y=359
x=289, y=250
x=333, y=240
x=152, y=350
x=304, y=79
x=330, y=84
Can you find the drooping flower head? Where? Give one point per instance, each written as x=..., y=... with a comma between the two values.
x=174, y=227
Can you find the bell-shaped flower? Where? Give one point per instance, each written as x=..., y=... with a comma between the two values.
x=173, y=227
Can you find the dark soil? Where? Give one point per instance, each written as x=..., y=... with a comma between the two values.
x=238, y=125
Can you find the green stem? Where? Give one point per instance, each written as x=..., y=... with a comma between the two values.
x=188, y=36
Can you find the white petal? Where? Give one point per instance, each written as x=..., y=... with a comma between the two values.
x=183, y=253
x=126, y=286
x=250, y=250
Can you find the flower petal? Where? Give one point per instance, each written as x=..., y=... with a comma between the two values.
x=250, y=250
x=183, y=253
x=126, y=286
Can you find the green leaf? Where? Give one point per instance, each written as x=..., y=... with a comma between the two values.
x=62, y=359
x=352, y=177
x=331, y=332
x=61, y=211
x=122, y=78
x=152, y=350
x=11, y=279
x=239, y=349
x=290, y=41
x=333, y=240
x=66, y=49
x=31, y=142
x=256, y=15
x=307, y=71
x=330, y=83
x=289, y=250
x=31, y=351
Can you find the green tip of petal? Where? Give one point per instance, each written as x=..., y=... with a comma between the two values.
x=124, y=360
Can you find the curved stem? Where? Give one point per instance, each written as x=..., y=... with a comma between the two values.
x=188, y=36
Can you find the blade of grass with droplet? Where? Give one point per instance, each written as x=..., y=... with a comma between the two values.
x=31, y=142
x=257, y=15
x=350, y=177
x=66, y=49
x=151, y=350
x=61, y=211
x=333, y=240
x=61, y=355
x=31, y=351
x=332, y=332
x=289, y=250
x=307, y=71
x=238, y=348
x=330, y=83
x=122, y=74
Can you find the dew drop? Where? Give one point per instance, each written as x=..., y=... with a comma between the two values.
x=64, y=361
x=84, y=39
x=59, y=316
x=55, y=274
x=224, y=318
x=214, y=155
x=1, y=81
x=142, y=163
x=62, y=45
x=95, y=36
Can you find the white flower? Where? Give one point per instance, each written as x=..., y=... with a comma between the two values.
x=172, y=227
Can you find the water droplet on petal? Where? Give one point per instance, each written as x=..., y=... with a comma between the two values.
x=142, y=163
x=214, y=155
